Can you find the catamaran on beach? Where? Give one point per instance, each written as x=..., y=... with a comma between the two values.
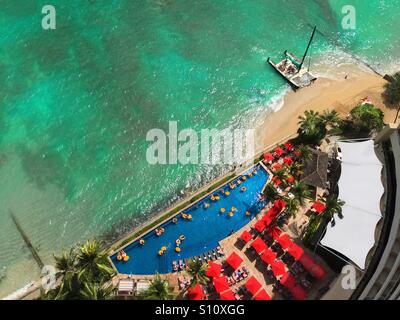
x=293, y=70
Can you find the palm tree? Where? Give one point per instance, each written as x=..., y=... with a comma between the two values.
x=95, y=291
x=305, y=152
x=332, y=120
x=333, y=206
x=365, y=118
x=270, y=192
x=159, y=289
x=281, y=173
x=296, y=169
x=292, y=206
x=312, y=128
x=391, y=95
x=301, y=191
x=92, y=262
x=197, y=271
x=69, y=284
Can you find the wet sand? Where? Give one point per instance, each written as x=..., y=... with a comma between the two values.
x=326, y=93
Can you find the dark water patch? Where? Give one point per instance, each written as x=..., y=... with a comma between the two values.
x=43, y=166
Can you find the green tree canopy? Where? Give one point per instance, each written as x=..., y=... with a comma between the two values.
x=391, y=95
x=364, y=119
x=159, y=289
x=312, y=128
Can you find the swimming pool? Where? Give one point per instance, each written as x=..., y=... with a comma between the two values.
x=203, y=232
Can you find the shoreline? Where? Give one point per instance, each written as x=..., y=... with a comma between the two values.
x=326, y=93
x=280, y=125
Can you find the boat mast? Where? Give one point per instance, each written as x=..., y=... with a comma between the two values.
x=308, y=47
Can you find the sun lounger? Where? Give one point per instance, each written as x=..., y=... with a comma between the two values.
x=210, y=256
x=219, y=250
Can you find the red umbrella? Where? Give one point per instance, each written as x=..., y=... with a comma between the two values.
x=277, y=166
x=278, y=268
x=268, y=256
x=272, y=213
x=259, y=245
x=312, y=267
x=290, y=179
x=319, y=207
x=274, y=232
x=288, y=281
x=227, y=295
x=279, y=204
x=298, y=293
x=214, y=269
x=279, y=151
x=267, y=219
x=252, y=285
x=289, y=146
x=260, y=226
x=318, y=272
x=220, y=284
x=278, y=182
x=297, y=154
x=288, y=160
x=262, y=295
x=285, y=241
x=268, y=157
x=246, y=236
x=196, y=293
x=234, y=260
x=295, y=251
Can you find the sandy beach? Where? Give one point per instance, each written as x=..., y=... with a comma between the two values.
x=326, y=93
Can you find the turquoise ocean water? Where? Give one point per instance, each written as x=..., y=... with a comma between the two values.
x=76, y=102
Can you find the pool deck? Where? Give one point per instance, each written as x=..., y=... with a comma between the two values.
x=294, y=228
x=229, y=245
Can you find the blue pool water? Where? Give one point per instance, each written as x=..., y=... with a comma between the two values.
x=203, y=232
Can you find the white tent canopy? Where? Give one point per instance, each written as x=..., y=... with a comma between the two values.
x=361, y=188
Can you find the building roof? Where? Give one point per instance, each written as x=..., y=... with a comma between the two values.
x=360, y=187
x=315, y=170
